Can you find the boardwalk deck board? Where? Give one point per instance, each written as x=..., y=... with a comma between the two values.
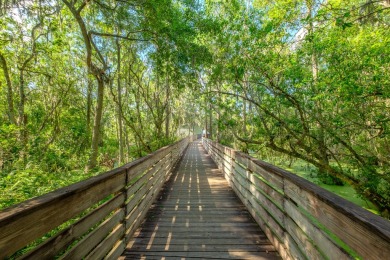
x=197, y=215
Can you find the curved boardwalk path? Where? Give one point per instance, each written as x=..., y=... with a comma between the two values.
x=198, y=216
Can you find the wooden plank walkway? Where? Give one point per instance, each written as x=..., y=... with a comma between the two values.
x=198, y=216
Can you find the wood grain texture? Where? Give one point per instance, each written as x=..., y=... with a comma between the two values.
x=107, y=244
x=61, y=241
x=198, y=215
x=95, y=237
x=30, y=220
x=317, y=236
x=364, y=241
x=300, y=213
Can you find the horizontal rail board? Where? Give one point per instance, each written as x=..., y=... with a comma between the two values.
x=107, y=244
x=22, y=224
x=95, y=237
x=117, y=250
x=347, y=229
x=315, y=233
x=300, y=218
x=29, y=221
x=58, y=243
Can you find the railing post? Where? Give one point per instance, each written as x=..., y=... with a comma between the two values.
x=124, y=191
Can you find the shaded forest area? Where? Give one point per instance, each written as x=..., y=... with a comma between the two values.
x=87, y=85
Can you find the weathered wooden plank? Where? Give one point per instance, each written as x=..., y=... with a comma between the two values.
x=146, y=162
x=185, y=225
x=303, y=242
x=157, y=186
x=319, y=237
x=116, y=251
x=137, y=198
x=243, y=159
x=149, y=182
x=276, y=196
x=239, y=169
x=231, y=254
x=252, y=235
x=182, y=203
x=226, y=207
x=273, y=179
x=141, y=241
x=107, y=244
x=157, y=164
x=268, y=205
x=136, y=220
x=240, y=191
x=214, y=149
x=276, y=240
x=164, y=247
x=188, y=214
x=136, y=214
x=226, y=156
x=345, y=225
x=204, y=204
x=58, y=243
x=30, y=220
x=228, y=170
x=242, y=186
x=133, y=189
x=274, y=225
x=293, y=249
x=165, y=167
x=82, y=248
x=146, y=177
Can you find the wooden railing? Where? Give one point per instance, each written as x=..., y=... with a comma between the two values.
x=91, y=219
x=302, y=220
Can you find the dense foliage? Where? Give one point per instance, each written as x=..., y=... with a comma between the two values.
x=308, y=80
x=90, y=83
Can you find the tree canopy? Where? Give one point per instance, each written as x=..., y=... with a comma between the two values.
x=86, y=84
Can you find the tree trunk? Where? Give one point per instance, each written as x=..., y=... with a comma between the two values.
x=167, y=110
x=97, y=126
x=211, y=122
x=217, y=132
x=11, y=114
x=89, y=112
x=119, y=106
x=314, y=62
x=244, y=130
x=206, y=126
x=22, y=117
x=97, y=72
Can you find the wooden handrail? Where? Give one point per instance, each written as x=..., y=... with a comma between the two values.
x=99, y=214
x=301, y=219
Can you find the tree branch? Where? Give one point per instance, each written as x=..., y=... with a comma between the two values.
x=117, y=36
x=81, y=7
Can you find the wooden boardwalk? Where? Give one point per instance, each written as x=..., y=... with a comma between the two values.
x=198, y=216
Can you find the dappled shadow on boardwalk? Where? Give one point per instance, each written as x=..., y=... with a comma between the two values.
x=197, y=216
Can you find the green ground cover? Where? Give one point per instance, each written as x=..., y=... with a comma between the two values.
x=16, y=187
